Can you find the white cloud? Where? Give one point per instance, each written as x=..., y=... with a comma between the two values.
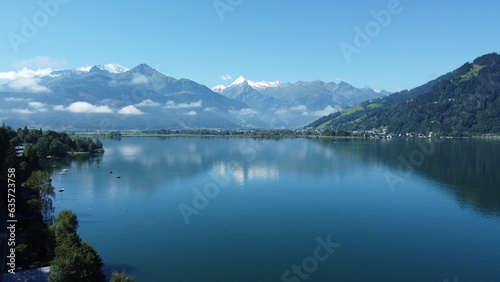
x=22, y=111
x=36, y=105
x=37, y=67
x=191, y=113
x=39, y=62
x=84, y=107
x=59, y=108
x=84, y=69
x=245, y=112
x=24, y=73
x=209, y=109
x=326, y=111
x=30, y=84
x=16, y=99
x=147, y=103
x=299, y=108
x=129, y=110
x=226, y=77
x=173, y=105
x=281, y=111
x=39, y=107
x=139, y=79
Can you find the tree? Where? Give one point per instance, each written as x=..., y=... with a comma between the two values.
x=98, y=144
x=342, y=132
x=74, y=260
x=65, y=225
x=57, y=148
x=121, y=277
x=42, y=192
x=43, y=145
x=32, y=136
x=40, y=244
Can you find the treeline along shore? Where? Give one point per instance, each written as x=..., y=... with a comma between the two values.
x=39, y=238
x=266, y=133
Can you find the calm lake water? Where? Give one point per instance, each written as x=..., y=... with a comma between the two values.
x=217, y=209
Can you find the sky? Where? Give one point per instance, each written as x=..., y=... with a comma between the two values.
x=382, y=44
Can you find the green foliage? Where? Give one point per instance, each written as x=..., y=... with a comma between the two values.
x=42, y=191
x=86, y=145
x=59, y=144
x=65, y=226
x=22, y=256
x=465, y=101
x=33, y=136
x=473, y=72
x=74, y=260
x=38, y=247
x=40, y=244
x=121, y=277
x=115, y=135
x=340, y=132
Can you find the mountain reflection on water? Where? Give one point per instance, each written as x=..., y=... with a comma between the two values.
x=468, y=167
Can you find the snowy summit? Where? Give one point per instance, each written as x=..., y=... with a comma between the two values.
x=241, y=80
x=111, y=68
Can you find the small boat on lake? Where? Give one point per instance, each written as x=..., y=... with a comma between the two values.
x=61, y=190
x=118, y=176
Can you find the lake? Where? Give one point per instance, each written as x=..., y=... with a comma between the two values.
x=219, y=209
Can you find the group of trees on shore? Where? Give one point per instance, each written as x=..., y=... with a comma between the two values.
x=46, y=240
x=54, y=143
x=253, y=133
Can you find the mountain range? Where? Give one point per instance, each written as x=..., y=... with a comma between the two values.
x=295, y=104
x=109, y=97
x=463, y=101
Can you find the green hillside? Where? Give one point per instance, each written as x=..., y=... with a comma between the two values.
x=463, y=101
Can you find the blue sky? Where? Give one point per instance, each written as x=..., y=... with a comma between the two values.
x=288, y=41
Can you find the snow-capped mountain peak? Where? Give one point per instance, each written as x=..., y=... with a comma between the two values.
x=114, y=68
x=111, y=68
x=264, y=84
x=239, y=80
x=255, y=85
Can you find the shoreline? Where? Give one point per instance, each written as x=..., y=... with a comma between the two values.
x=95, y=134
